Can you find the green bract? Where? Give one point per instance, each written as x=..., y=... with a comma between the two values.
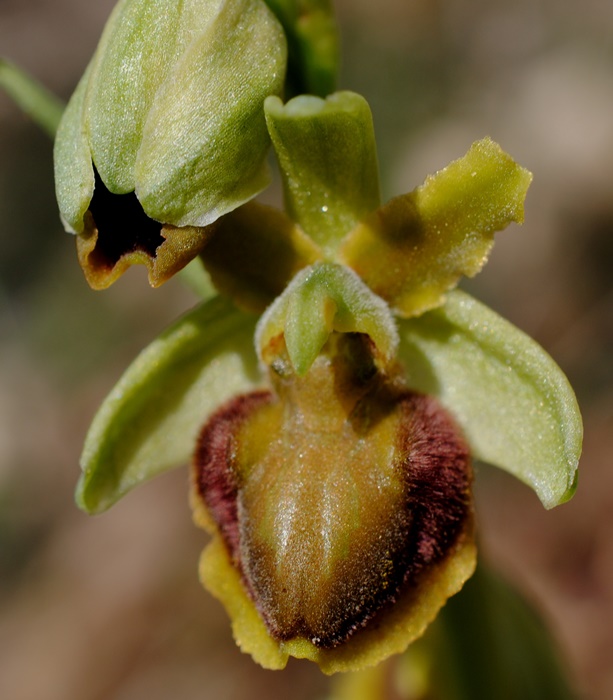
x=170, y=109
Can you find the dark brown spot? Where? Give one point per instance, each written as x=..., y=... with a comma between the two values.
x=123, y=227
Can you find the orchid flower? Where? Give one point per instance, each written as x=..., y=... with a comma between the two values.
x=331, y=397
x=333, y=392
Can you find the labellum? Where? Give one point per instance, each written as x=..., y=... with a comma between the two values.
x=336, y=495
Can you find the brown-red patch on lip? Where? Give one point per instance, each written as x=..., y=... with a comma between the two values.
x=215, y=481
x=438, y=476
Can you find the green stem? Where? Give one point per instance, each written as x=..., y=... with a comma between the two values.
x=35, y=100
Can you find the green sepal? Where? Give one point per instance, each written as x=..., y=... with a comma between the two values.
x=321, y=299
x=150, y=421
x=327, y=154
x=417, y=246
x=313, y=45
x=36, y=101
x=72, y=160
x=513, y=402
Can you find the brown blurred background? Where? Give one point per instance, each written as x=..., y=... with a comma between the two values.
x=110, y=607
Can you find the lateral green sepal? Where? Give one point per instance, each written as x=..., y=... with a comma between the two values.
x=513, y=402
x=149, y=422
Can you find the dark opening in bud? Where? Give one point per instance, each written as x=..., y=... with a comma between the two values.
x=118, y=234
x=122, y=226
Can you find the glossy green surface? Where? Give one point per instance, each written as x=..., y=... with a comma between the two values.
x=150, y=420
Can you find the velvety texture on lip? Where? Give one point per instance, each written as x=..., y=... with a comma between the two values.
x=321, y=556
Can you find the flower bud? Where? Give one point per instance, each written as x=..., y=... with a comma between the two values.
x=167, y=125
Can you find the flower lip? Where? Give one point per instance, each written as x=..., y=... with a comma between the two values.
x=324, y=552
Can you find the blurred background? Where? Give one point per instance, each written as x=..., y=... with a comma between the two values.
x=110, y=607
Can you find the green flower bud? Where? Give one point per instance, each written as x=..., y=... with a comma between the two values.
x=167, y=127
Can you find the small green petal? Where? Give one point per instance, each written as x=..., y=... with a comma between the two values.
x=417, y=246
x=327, y=153
x=205, y=139
x=35, y=100
x=321, y=299
x=74, y=174
x=513, y=402
x=313, y=44
x=149, y=422
x=254, y=253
